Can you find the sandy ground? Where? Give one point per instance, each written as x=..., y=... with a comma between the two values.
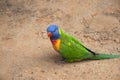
x=27, y=54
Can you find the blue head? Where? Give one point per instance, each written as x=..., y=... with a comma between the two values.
x=52, y=31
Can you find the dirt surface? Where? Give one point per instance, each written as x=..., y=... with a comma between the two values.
x=27, y=54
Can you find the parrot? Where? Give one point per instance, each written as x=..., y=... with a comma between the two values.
x=70, y=49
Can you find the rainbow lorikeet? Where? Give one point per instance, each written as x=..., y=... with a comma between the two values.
x=71, y=49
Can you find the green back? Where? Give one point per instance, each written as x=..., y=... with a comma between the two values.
x=70, y=48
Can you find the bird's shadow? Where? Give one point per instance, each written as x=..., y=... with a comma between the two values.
x=55, y=58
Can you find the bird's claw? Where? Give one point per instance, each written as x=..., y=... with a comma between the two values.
x=60, y=61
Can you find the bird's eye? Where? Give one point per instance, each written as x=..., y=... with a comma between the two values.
x=54, y=30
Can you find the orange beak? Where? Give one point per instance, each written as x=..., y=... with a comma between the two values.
x=49, y=34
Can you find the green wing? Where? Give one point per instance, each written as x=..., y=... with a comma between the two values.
x=71, y=49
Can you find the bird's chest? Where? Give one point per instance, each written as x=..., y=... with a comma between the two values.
x=56, y=44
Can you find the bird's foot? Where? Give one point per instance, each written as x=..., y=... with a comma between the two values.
x=59, y=61
x=69, y=60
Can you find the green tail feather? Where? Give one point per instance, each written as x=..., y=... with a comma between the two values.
x=104, y=56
